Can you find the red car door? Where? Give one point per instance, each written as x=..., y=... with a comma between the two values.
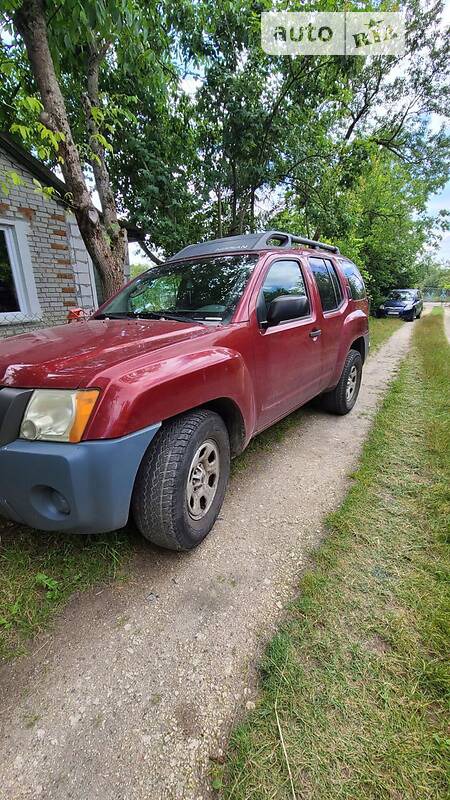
x=288, y=369
x=334, y=303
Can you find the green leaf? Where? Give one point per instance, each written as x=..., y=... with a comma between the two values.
x=23, y=130
x=102, y=141
x=52, y=585
x=16, y=179
x=97, y=114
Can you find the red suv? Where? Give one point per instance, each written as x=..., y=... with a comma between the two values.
x=139, y=409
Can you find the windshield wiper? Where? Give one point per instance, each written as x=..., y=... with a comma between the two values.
x=116, y=315
x=167, y=315
x=148, y=315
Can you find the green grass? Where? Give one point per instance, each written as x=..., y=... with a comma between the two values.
x=381, y=329
x=357, y=674
x=40, y=572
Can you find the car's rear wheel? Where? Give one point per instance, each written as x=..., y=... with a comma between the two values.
x=343, y=397
x=182, y=480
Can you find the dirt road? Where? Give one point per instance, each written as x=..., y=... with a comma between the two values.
x=138, y=685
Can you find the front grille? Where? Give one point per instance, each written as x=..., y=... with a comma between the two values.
x=13, y=403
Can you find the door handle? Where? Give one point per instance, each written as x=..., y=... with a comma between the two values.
x=315, y=333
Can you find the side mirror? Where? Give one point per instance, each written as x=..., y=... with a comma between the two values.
x=287, y=307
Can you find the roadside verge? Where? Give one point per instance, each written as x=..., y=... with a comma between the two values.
x=352, y=701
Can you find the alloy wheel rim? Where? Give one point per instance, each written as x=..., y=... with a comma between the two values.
x=203, y=479
x=352, y=382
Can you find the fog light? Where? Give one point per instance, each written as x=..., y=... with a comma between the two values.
x=29, y=430
x=60, y=502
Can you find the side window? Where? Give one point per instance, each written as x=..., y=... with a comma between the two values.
x=356, y=283
x=284, y=277
x=336, y=283
x=326, y=281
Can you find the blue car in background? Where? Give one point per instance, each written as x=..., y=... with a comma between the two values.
x=404, y=303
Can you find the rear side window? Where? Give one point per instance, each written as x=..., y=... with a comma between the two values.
x=336, y=283
x=356, y=283
x=327, y=283
x=284, y=277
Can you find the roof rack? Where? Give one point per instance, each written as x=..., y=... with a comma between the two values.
x=251, y=241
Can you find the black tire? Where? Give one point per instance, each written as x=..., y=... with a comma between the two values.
x=418, y=316
x=159, y=503
x=337, y=400
x=411, y=317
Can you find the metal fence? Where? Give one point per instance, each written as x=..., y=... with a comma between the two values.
x=434, y=294
x=11, y=324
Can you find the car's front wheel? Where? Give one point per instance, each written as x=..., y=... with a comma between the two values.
x=181, y=483
x=343, y=397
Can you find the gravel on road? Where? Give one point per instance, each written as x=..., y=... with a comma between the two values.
x=138, y=685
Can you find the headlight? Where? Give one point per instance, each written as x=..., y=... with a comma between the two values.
x=58, y=415
x=408, y=307
x=382, y=307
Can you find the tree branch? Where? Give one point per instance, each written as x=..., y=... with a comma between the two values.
x=149, y=253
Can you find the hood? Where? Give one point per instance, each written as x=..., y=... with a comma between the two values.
x=70, y=356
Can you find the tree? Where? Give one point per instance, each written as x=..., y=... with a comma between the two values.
x=336, y=148
x=435, y=274
x=153, y=171
x=73, y=49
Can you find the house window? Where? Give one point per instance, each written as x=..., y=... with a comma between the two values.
x=18, y=298
x=8, y=292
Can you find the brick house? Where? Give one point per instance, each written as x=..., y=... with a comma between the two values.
x=44, y=267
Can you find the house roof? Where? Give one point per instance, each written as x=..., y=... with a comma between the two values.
x=32, y=164
x=43, y=174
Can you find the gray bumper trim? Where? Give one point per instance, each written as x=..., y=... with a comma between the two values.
x=95, y=480
x=366, y=345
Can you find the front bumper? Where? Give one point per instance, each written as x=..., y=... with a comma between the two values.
x=366, y=346
x=80, y=488
x=394, y=312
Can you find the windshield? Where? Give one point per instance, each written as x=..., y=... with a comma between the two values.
x=207, y=289
x=398, y=294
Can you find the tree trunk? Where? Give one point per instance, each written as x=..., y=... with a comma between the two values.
x=233, y=230
x=219, y=212
x=252, y=209
x=242, y=212
x=107, y=253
